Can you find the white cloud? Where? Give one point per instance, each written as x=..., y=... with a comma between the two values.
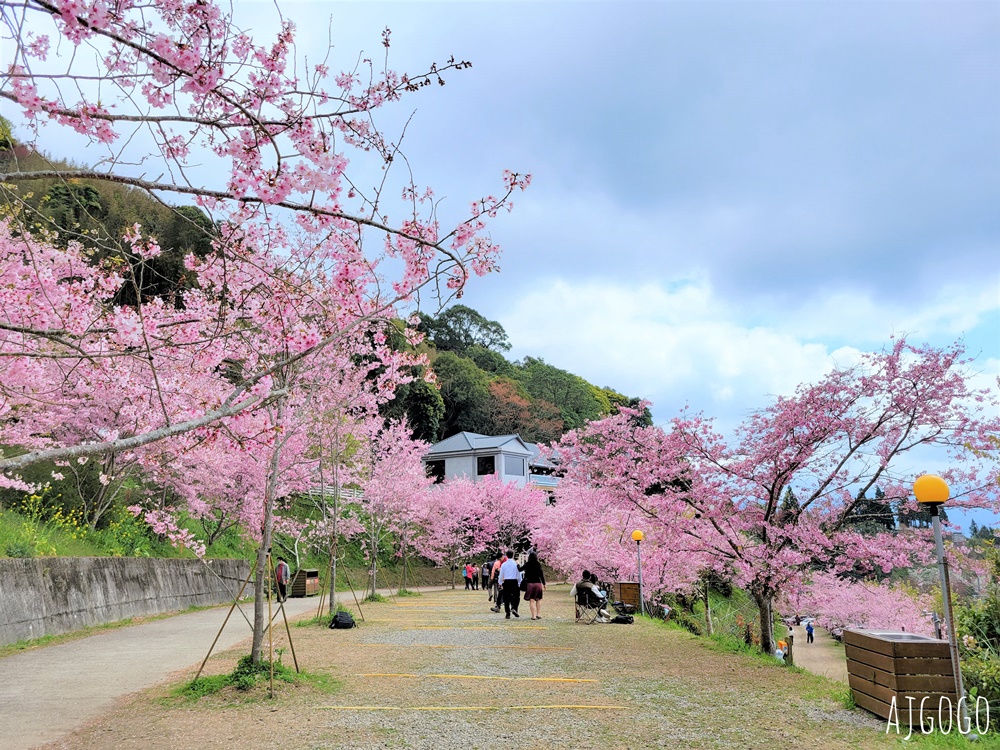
x=679, y=342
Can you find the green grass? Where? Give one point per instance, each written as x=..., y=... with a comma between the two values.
x=248, y=676
x=23, y=537
x=27, y=537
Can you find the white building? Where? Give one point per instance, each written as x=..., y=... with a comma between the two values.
x=475, y=456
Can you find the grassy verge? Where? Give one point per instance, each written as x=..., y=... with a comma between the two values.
x=817, y=688
x=250, y=680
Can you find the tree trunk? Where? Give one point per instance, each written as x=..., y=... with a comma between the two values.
x=260, y=619
x=406, y=559
x=765, y=604
x=708, y=612
x=334, y=544
x=372, y=573
x=333, y=577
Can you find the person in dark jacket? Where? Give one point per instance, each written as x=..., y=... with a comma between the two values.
x=282, y=576
x=534, y=580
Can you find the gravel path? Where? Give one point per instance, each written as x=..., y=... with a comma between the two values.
x=824, y=656
x=442, y=671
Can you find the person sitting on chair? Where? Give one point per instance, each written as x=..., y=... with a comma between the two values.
x=586, y=583
x=602, y=595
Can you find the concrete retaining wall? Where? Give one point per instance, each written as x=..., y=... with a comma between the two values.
x=53, y=595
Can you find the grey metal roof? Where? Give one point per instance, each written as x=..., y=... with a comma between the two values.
x=471, y=442
x=536, y=458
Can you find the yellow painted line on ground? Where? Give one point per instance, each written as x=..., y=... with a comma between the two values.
x=471, y=627
x=474, y=677
x=442, y=602
x=404, y=619
x=442, y=608
x=474, y=708
x=418, y=607
x=435, y=645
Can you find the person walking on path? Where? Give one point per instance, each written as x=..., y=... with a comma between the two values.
x=534, y=578
x=495, y=583
x=474, y=577
x=484, y=577
x=510, y=582
x=465, y=575
x=282, y=575
x=809, y=632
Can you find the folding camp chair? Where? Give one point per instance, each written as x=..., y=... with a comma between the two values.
x=588, y=606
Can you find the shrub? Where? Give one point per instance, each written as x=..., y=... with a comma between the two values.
x=687, y=621
x=982, y=678
x=19, y=548
x=979, y=624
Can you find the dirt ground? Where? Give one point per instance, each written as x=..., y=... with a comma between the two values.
x=440, y=670
x=824, y=656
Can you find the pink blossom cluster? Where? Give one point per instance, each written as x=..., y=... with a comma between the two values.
x=839, y=604
x=778, y=499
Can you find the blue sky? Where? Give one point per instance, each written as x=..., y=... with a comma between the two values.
x=728, y=197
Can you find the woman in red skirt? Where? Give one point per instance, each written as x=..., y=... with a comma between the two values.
x=534, y=580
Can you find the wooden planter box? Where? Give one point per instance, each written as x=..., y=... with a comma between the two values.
x=882, y=665
x=305, y=583
x=627, y=592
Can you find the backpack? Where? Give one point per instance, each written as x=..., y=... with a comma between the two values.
x=623, y=620
x=342, y=621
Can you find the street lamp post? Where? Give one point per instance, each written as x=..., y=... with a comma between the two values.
x=932, y=491
x=637, y=536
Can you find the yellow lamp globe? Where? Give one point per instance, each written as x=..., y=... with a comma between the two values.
x=931, y=489
x=637, y=536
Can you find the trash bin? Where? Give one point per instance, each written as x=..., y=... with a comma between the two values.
x=305, y=583
x=884, y=665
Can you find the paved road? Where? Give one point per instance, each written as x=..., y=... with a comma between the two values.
x=47, y=692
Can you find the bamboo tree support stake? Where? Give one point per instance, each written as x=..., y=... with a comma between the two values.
x=228, y=614
x=319, y=608
x=223, y=580
x=291, y=645
x=281, y=611
x=354, y=594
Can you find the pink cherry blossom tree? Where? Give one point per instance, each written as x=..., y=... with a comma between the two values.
x=839, y=604
x=455, y=525
x=392, y=483
x=182, y=84
x=831, y=443
x=466, y=518
x=306, y=268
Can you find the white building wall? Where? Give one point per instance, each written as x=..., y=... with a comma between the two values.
x=461, y=466
x=519, y=479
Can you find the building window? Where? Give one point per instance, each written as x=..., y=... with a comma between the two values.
x=513, y=466
x=435, y=469
x=486, y=465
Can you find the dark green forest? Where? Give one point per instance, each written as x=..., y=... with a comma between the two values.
x=480, y=390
